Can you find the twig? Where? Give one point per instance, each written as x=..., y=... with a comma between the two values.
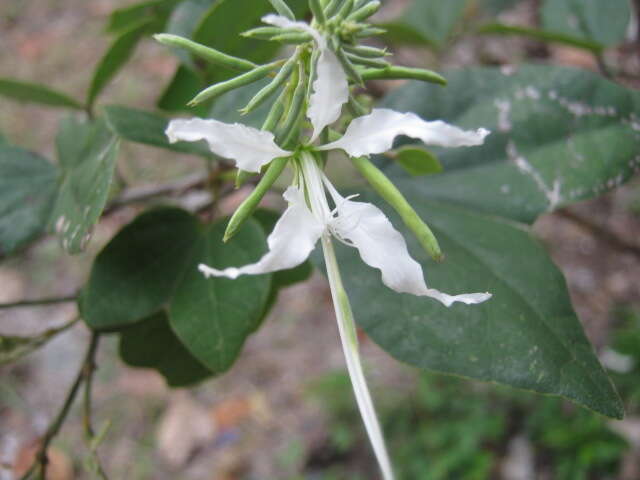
x=38, y=302
x=616, y=242
x=39, y=466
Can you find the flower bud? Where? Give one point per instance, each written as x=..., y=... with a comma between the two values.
x=282, y=8
x=206, y=53
x=364, y=12
x=275, y=84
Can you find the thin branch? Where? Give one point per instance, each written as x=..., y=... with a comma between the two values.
x=39, y=466
x=613, y=240
x=38, y=302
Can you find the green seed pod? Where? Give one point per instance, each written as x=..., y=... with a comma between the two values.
x=247, y=207
x=367, y=31
x=275, y=84
x=349, y=68
x=360, y=3
x=404, y=73
x=345, y=10
x=357, y=108
x=239, y=81
x=366, y=52
x=206, y=53
x=332, y=8
x=388, y=191
x=293, y=37
x=282, y=8
x=263, y=33
x=318, y=11
x=367, y=62
x=364, y=12
x=313, y=66
x=275, y=114
x=295, y=107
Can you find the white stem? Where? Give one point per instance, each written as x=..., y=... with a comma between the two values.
x=349, y=338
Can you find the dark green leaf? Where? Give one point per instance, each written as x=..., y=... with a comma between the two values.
x=36, y=93
x=588, y=19
x=429, y=20
x=184, y=85
x=559, y=136
x=213, y=317
x=27, y=189
x=148, y=128
x=152, y=344
x=87, y=155
x=115, y=58
x=14, y=348
x=417, y=161
x=124, y=18
x=496, y=6
x=526, y=336
x=136, y=273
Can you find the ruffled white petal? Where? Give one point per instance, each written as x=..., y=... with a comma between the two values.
x=331, y=86
x=291, y=242
x=249, y=147
x=284, y=22
x=381, y=246
x=330, y=92
x=375, y=133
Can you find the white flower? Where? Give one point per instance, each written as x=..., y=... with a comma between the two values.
x=361, y=225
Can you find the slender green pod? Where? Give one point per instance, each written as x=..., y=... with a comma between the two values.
x=356, y=107
x=369, y=32
x=282, y=8
x=345, y=10
x=292, y=37
x=295, y=107
x=313, y=67
x=360, y=3
x=364, y=12
x=349, y=67
x=247, y=207
x=366, y=52
x=332, y=8
x=367, y=62
x=206, y=53
x=275, y=114
x=395, y=72
x=318, y=11
x=263, y=33
x=388, y=191
x=275, y=84
x=237, y=82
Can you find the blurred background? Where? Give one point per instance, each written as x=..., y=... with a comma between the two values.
x=285, y=410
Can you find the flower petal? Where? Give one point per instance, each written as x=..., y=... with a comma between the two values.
x=375, y=133
x=330, y=92
x=249, y=147
x=284, y=22
x=331, y=86
x=381, y=246
x=291, y=242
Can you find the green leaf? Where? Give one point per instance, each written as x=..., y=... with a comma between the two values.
x=527, y=336
x=148, y=128
x=27, y=190
x=36, y=93
x=135, y=275
x=116, y=56
x=426, y=21
x=87, y=155
x=559, y=136
x=586, y=19
x=152, y=344
x=184, y=85
x=496, y=6
x=124, y=18
x=213, y=317
x=417, y=161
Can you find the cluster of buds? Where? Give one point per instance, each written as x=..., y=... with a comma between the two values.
x=309, y=89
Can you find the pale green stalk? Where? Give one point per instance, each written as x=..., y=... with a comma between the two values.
x=349, y=339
